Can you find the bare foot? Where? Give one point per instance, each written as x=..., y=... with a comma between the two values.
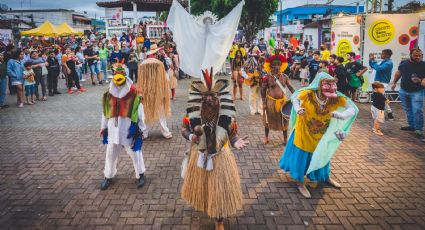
x=219, y=225
x=265, y=140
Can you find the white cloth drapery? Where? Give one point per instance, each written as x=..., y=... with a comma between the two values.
x=202, y=46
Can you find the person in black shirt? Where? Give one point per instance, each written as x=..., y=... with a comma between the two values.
x=378, y=107
x=412, y=73
x=355, y=71
x=341, y=75
x=53, y=69
x=92, y=59
x=314, y=66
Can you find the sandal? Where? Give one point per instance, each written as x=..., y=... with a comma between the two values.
x=44, y=98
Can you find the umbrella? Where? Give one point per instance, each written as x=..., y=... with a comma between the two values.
x=65, y=30
x=46, y=29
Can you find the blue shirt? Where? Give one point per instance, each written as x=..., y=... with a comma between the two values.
x=115, y=55
x=383, y=70
x=15, y=70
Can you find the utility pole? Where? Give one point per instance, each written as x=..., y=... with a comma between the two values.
x=280, y=21
x=390, y=5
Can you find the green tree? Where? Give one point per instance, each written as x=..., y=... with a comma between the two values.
x=164, y=15
x=255, y=14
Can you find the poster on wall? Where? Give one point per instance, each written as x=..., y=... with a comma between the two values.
x=113, y=16
x=5, y=35
x=398, y=33
x=345, y=35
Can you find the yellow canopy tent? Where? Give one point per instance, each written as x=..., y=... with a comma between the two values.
x=46, y=29
x=65, y=30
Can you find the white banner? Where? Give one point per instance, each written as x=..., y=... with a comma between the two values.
x=113, y=13
x=345, y=35
x=5, y=35
x=421, y=40
x=398, y=32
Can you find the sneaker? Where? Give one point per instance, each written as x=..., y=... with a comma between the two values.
x=378, y=132
x=4, y=106
x=83, y=80
x=21, y=105
x=106, y=81
x=82, y=89
x=100, y=83
x=390, y=117
x=70, y=91
x=57, y=92
x=74, y=88
x=93, y=83
x=407, y=128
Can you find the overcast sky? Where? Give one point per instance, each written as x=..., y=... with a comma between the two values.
x=91, y=8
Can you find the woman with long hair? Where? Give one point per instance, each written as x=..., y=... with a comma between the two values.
x=15, y=71
x=103, y=56
x=237, y=79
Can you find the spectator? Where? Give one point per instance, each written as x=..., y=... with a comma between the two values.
x=341, y=75
x=323, y=67
x=81, y=60
x=262, y=46
x=332, y=65
x=29, y=83
x=383, y=72
x=40, y=79
x=356, y=71
x=69, y=62
x=306, y=44
x=125, y=52
x=103, y=56
x=378, y=106
x=314, y=66
x=132, y=65
x=92, y=58
x=53, y=68
x=3, y=82
x=412, y=73
x=325, y=53
x=304, y=72
x=116, y=55
x=15, y=71
x=143, y=55
x=309, y=57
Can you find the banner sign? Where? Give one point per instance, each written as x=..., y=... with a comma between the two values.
x=5, y=35
x=345, y=35
x=397, y=32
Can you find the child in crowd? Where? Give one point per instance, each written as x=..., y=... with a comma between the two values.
x=378, y=106
x=304, y=72
x=341, y=75
x=332, y=65
x=323, y=66
x=29, y=83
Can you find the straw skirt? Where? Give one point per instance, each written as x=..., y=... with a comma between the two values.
x=272, y=119
x=173, y=79
x=216, y=192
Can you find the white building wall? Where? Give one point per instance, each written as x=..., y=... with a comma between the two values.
x=313, y=36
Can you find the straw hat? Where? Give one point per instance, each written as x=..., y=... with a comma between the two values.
x=154, y=48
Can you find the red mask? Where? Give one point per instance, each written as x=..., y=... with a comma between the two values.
x=328, y=88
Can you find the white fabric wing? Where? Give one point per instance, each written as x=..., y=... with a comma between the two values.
x=202, y=46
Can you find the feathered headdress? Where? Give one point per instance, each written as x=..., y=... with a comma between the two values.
x=221, y=87
x=119, y=67
x=276, y=60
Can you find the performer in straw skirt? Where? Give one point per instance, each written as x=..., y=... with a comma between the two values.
x=211, y=179
x=274, y=97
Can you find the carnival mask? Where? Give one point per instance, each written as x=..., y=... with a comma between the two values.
x=119, y=79
x=328, y=88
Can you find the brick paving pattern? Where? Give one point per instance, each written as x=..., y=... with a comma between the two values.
x=51, y=165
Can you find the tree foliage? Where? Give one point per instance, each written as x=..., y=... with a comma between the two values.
x=255, y=15
x=414, y=6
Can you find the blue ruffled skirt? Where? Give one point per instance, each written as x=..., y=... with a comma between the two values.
x=296, y=161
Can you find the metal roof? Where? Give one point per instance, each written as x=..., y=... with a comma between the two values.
x=142, y=5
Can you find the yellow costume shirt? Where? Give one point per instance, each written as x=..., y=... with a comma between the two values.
x=310, y=127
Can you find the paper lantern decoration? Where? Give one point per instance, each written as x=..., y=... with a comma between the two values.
x=413, y=31
x=404, y=39
x=356, y=40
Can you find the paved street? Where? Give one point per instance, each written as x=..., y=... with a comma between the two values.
x=51, y=165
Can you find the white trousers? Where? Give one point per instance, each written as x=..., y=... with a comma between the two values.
x=163, y=127
x=255, y=101
x=112, y=152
